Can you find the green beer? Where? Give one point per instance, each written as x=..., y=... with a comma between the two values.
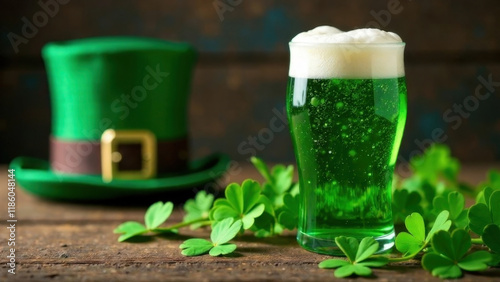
x=346, y=127
x=346, y=138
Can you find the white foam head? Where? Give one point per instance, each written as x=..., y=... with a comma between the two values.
x=327, y=52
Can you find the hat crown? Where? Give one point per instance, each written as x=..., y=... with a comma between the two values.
x=121, y=83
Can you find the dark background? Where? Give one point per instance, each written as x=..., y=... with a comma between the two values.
x=240, y=80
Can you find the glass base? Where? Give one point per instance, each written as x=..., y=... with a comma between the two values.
x=326, y=244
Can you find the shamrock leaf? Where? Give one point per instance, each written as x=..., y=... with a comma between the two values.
x=267, y=224
x=195, y=247
x=358, y=255
x=490, y=237
x=481, y=214
x=222, y=232
x=129, y=230
x=454, y=202
x=289, y=214
x=413, y=242
x=198, y=208
x=439, y=169
x=404, y=203
x=435, y=162
x=278, y=180
x=493, y=180
x=242, y=202
x=448, y=257
x=484, y=195
x=262, y=168
x=155, y=216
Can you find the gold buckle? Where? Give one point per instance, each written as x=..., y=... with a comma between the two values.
x=110, y=157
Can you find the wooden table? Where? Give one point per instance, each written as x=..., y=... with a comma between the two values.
x=75, y=242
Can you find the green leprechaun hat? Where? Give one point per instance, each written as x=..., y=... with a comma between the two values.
x=119, y=121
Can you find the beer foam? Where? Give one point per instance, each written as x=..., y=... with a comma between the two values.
x=327, y=52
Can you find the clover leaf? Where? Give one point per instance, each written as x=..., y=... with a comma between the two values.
x=405, y=203
x=454, y=202
x=130, y=229
x=155, y=216
x=448, y=258
x=439, y=169
x=262, y=168
x=482, y=214
x=222, y=232
x=413, y=242
x=491, y=235
x=484, y=195
x=278, y=180
x=277, y=186
x=493, y=180
x=435, y=162
x=358, y=255
x=198, y=208
x=289, y=214
x=242, y=202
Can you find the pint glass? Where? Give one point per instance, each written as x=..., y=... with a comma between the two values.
x=346, y=106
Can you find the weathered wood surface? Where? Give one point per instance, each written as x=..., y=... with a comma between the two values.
x=73, y=242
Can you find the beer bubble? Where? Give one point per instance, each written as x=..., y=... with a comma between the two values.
x=315, y=101
x=352, y=153
x=339, y=105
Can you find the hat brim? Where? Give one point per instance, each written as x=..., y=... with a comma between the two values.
x=36, y=177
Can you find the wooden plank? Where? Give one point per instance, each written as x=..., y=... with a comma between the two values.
x=256, y=26
x=74, y=251
x=73, y=242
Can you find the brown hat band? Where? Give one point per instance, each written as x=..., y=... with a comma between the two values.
x=84, y=157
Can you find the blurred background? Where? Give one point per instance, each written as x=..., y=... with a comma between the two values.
x=238, y=90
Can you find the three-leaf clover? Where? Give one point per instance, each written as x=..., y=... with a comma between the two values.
x=358, y=255
x=278, y=180
x=436, y=161
x=198, y=208
x=242, y=202
x=222, y=232
x=405, y=203
x=413, y=242
x=482, y=214
x=155, y=216
x=449, y=255
x=454, y=202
